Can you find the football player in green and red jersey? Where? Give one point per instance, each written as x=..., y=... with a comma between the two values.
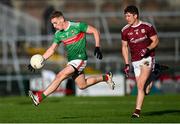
x=73, y=36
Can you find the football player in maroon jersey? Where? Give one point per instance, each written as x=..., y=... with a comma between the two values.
x=141, y=39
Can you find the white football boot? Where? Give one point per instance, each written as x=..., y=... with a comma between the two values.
x=34, y=98
x=110, y=82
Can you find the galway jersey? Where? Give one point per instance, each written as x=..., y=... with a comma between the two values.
x=138, y=38
x=74, y=40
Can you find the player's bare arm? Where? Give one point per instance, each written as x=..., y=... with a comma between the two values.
x=154, y=43
x=95, y=32
x=125, y=51
x=125, y=54
x=50, y=51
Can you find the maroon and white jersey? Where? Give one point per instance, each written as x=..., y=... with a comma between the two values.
x=138, y=37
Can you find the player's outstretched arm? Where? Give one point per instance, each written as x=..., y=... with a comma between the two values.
x=50, y=51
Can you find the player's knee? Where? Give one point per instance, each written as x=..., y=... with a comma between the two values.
x=140, y=87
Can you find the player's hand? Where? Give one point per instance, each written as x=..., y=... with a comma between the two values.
x=97, y=53
x=145, y=52
x=126, y=70
x=30, y=68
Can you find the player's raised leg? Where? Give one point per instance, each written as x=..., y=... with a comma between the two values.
x=84, y=83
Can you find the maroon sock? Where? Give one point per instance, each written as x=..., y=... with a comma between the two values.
x=137, y=111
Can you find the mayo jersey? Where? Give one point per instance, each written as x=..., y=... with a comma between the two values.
x=74, y=40
x=138, y=38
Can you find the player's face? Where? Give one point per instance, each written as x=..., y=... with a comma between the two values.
x=130, y=18
x=58, y=23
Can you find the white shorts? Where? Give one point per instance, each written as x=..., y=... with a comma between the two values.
x=149, y=61
x=78, y=64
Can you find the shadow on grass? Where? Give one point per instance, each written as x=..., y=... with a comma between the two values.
x=69, y=117
x=164, y=112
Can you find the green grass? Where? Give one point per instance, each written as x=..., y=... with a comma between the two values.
x=157, y=108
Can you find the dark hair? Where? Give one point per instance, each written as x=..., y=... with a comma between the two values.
x=132, y=9
x=56, y=14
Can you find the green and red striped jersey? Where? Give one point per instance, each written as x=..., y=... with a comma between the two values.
x=74, y=40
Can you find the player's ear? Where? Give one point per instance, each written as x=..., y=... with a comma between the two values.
x=135, y=15
x=61, y=19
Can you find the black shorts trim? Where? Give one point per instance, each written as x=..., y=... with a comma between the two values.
x=76, y=72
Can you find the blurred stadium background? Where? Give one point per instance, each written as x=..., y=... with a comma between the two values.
x=25, y=30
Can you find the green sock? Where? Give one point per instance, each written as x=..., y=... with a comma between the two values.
x=43, y=96
x=105, y=78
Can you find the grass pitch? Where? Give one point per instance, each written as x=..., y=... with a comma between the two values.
x=157, y=108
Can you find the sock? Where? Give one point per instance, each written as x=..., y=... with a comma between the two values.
x=41, y=96
x=137, y=111
x=105, y=77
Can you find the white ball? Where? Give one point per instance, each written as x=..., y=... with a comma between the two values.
x=36, y=61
